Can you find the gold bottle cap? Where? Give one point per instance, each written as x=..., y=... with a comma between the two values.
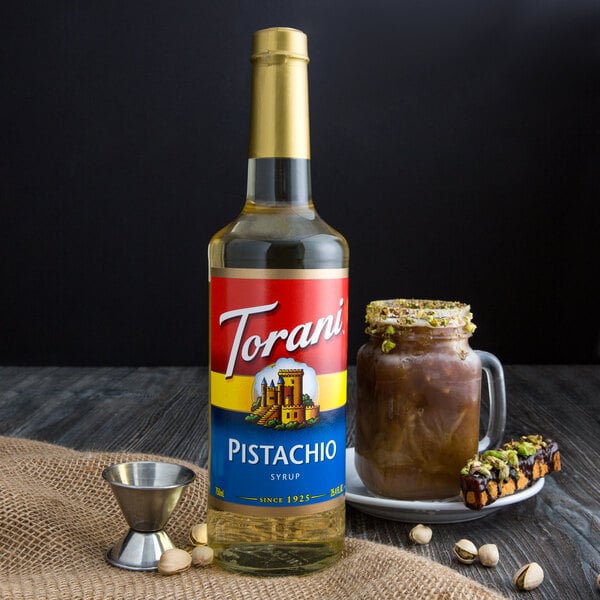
x=280, y=41
x=279, y=126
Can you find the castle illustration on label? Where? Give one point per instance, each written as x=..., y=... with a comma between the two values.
x=284, y=405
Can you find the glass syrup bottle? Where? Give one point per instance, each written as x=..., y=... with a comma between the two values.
x=278, y=343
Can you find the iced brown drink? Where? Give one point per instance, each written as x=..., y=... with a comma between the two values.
x=418, y=400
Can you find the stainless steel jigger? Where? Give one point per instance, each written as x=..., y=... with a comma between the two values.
x=147, y=493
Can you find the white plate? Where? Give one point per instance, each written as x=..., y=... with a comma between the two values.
x=451, y=510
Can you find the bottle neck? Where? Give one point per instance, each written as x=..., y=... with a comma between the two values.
x=279, y=182
x=279, y=148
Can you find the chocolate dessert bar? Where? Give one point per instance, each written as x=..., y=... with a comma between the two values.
x=512, y=468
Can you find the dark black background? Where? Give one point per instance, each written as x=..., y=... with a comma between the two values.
x=455, y=144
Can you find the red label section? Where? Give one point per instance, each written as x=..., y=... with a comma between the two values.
x=256, y=321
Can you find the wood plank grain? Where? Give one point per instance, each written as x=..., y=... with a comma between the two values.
x=164, y=410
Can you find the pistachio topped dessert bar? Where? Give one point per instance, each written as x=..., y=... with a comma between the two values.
x=514, y=467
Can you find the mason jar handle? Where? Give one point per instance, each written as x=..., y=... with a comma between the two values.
x=497, y=394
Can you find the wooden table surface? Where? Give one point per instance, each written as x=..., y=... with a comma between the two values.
x=163, y=410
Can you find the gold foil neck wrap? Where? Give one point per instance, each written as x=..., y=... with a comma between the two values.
x=279, y=120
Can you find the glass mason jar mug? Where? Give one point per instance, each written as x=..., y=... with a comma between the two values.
x=419, y=396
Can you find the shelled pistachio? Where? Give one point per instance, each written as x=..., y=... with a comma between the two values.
x=465, y=551
x=202, y=556
x=529, y=576
x=174, y=561
x=199, y=535
x=420, y=534
x=488, y=555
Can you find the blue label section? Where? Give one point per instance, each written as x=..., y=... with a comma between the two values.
x=260, y=466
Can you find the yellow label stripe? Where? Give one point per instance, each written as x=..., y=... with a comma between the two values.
x=235, y=393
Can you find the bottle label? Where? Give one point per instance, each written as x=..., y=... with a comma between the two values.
x=278, y=350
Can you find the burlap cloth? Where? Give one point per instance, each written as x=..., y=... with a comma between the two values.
x=58, y=516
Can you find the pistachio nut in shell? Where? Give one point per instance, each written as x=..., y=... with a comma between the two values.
x=598, y=581
x=529, y=576
x=199, y=535
x=420, y=534
x=465, y=551
x=488, y=555
x=174, y=561
x=202, y=556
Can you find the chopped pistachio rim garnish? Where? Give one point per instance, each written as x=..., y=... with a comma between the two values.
x=387, y=346
x=386, y=317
